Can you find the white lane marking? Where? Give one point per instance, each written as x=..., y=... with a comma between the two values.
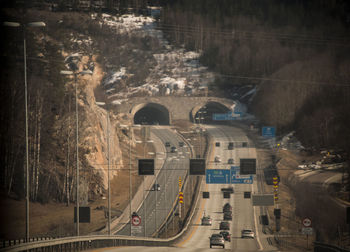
x=256, y=224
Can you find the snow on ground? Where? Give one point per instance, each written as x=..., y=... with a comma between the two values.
x=290, y=142
x=177, y=71
x=126, y=23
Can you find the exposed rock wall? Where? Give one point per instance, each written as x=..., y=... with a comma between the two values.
x=93, y=131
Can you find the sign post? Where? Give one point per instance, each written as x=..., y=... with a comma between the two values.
x=277, y=211
x=180, y=197
x=136, y=227
x=307, y=229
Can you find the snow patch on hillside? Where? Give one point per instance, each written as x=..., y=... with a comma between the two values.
x=177, y=71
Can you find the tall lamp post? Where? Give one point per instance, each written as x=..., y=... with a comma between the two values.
x=143, y=183
x=130, y=183
x=64, y=72
x=108, y=176
x=32, y=24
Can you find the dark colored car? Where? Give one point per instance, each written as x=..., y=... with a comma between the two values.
x=155, y=187
x=228, y=215
x=217, y=144
x=134, y=214
x=167, y=144
x=173, y=149
x=227, y=208
x=226, y=235
x=224, y=225
x=181, y=144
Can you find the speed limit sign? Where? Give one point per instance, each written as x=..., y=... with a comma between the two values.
x=306, y=222
x=136, y=220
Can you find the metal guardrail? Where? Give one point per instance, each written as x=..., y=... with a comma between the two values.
x=98, y=241
x=86, y=242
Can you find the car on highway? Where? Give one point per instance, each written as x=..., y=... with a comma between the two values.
x=228, y=215
x=156, y=187
x=227, y=208
x=217, y=159
x=206, y=221
x=226, y=235
x=224, y=225
x=230, y=161
x=173, y=149
x=217, y=240
x=247, y=233
x=167, y=144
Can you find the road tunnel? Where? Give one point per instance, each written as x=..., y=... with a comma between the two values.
x=151, y=114
x=204, y=114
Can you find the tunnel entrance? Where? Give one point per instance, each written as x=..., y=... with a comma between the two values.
x=152, y=114
x=205, y=114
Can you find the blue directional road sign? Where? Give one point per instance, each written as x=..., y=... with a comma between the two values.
x=226, y=117
x=268, y=132
x=236, y=178
x=222, y=176
x=217, y=176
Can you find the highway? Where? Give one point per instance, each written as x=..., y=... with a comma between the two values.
x=158, y=203
x=244, y=214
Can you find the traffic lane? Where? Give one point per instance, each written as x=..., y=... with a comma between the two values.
x=160, y=202
x=173, y=165
x=243, y=213
x=155, y=199
x=199, y=236
x=243, y=218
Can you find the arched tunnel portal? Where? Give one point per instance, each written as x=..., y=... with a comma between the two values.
x=151, y=114
x=204, y=114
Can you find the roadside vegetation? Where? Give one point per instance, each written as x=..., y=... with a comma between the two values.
x=296, y=54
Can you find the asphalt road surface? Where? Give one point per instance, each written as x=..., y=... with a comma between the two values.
x=244, y=214
x=157, y=204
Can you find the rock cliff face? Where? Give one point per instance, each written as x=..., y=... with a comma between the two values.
x=93, y=134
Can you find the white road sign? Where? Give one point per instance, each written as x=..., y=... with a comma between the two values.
x=306, y=222
x=135, y=230
x=307, y=230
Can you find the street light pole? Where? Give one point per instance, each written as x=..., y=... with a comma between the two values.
x=77, y=149
x=130, y=182
x=27, y=144
x=31, y=24
x=108, y=176
x=77, y=139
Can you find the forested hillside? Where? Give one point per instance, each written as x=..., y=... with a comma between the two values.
x=295, y=52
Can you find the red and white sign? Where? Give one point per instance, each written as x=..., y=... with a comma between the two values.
x=306, y=222
x=136, y=220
